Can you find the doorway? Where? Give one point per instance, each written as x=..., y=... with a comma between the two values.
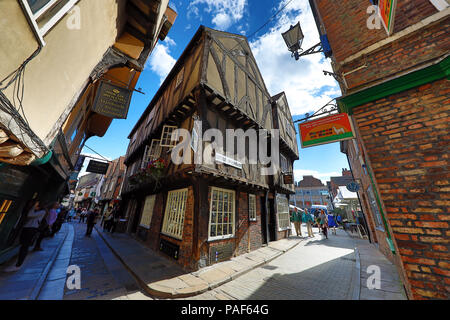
x=272, y=222
x=264, y=225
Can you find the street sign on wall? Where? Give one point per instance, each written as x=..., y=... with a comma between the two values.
x=328, y=129
x=97, y=167
x=112, y=101
x=387, y=14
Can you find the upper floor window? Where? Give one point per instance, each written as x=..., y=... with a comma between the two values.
x=168, y=139
x=284, y=164
x=44, y=14
x=151, y=152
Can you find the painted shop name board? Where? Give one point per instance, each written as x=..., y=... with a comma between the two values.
x=325, y=130
x=97, y=167
x=228, y=161
x=112, y=101
x=387, y=14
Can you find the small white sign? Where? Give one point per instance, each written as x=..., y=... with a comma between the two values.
x=228, y=161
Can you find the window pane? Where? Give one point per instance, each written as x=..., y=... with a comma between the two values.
x=222, y=211
x=36, y=5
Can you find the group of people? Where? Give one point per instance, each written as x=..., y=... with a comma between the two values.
x=320, y=218
x=111, y=219
x=45, y=220
x=42, y=220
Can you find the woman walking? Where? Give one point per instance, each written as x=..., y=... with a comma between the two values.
x=324, y=223
x=35, y=215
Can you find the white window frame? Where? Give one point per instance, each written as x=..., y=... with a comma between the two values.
x=151, y=152
x=166, y=140
x=440, y=4
x=40, y=32
x=147, y=211
x=251, y=207
x=173, y=223
x=375, y=209
x=286, y=169
x=283, y=214
x=232, y=215
x=194, y=140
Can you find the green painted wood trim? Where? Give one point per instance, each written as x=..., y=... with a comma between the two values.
x=329, y=139
x=414, y=79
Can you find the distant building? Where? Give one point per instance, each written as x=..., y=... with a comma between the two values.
x=85, y=191
x=348, y=201
x=336, y=182
x=310, y=191
x=109, y=194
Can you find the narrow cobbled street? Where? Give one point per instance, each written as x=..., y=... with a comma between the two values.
x=314, y=268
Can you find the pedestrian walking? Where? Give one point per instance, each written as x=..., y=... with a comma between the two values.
x=324, y=223
x=59, y=220
x=297, y=216
x=116, y=219
x=45, y=229
x=83, y=215
x=108, y=220
x=91, y=220
x=70, y=215
x=36, y=214
x=308, y=219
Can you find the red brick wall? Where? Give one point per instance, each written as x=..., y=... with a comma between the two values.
x=407, y=140
x=248, y=231
x=346, y=23
x=154, y=234
x=404, y=54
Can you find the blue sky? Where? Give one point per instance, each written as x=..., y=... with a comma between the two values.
x=306, y=87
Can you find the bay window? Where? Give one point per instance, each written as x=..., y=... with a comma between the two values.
x=222, y=211
x=174, y=215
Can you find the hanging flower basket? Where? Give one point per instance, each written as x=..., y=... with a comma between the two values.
x=153, y=172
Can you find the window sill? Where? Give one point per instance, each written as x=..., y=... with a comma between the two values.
x=221, y=238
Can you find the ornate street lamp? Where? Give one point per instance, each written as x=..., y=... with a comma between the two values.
x=294, y=38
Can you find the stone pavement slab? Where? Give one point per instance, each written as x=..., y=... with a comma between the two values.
x=163, y=278
x=26, y=283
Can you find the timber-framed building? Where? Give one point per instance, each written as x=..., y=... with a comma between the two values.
x=200, y=213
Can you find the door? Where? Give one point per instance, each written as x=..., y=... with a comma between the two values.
x=272, y=221
x=136, y=217
x=264, y=225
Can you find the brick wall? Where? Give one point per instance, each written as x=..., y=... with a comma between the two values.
x=346, y=23
x=406, y=136
x=406, y=53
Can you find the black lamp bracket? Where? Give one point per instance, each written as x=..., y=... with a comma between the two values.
x=317, y=48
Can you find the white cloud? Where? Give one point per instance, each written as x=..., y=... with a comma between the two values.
x=224, y=12
x=161, y=62
x=323, y=176
x=306, y=87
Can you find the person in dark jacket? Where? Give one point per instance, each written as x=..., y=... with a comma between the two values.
x=91, y=220
x=35, y=215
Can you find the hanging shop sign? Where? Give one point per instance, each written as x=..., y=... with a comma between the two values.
x=325, y=130
x=112, y=101
x=353, y=186
x=97, y=167
x=387, y=14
